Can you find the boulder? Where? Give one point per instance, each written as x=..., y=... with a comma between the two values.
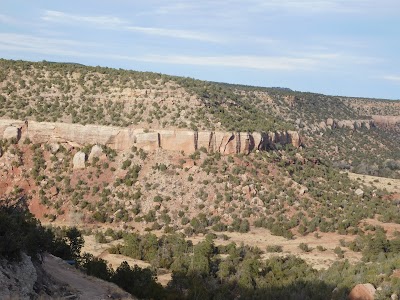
x=96, y=151
x=53, y=191
x=329, y=122
x=362, y=292
x=54, y=147
x=79, y=160
x=359, y=192
x=11, y=132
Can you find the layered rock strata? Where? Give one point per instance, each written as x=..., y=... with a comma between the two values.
x=122, y=139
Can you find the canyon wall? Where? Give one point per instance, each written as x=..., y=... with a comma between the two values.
x=122, y=139
x=386, y=121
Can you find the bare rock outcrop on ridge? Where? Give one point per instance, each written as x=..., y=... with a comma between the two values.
x=122, y=139
x=386, y=121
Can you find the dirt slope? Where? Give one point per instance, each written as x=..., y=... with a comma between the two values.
x=86, y=287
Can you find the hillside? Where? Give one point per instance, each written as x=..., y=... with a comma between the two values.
x=73, y=93
x=204, y=182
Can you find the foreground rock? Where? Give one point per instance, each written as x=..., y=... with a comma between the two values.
x=11, y=276
x=52, y=279
x=85, y=287
x=362, y=292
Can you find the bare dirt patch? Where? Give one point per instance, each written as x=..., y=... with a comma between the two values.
x=261, y=238
x=114, y=260
x=86, y=287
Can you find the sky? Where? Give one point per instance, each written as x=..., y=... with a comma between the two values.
x=335, y=47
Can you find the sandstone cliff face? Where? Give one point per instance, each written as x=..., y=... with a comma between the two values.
x=386, y=121
x=347, y=124
x=122, y=139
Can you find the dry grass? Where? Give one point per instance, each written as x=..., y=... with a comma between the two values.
x=391, y=185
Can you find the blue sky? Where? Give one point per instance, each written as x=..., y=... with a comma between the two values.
x=336, y=47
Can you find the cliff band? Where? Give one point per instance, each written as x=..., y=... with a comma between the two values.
x=122, y=139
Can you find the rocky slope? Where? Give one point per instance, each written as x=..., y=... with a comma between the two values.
x=52, y=279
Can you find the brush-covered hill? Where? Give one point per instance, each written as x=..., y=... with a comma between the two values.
x=353, y=133
x=185, y=213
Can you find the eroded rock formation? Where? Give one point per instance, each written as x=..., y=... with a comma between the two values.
x=347, y=124
x=386, y=121
x=122, y=139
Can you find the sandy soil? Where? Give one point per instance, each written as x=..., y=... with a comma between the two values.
x=86, y=287
x=390, y=228
x=391, y=185
x=261, y=238
x=114, y=260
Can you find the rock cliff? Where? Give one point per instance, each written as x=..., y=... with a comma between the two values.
x=386, y=121
x=122, y=139
x=348, y=124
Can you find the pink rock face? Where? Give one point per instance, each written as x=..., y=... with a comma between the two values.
x=230, y=144
x=386, y=121
x=122, y=139
x=182, y=140
x=294, y=138
x=204, y=140
x=225, y=143
x=243, y=140
x=147, y=141
x=255, y=141
x=362, y=292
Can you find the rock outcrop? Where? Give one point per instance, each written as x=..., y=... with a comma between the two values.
x=386, y=121
x=96, y=151
x=52, y=279
x=11, y=132
x=79, y=160
x=13, y=274
x=122, y=139
x=349, y=124
x=362, y=292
